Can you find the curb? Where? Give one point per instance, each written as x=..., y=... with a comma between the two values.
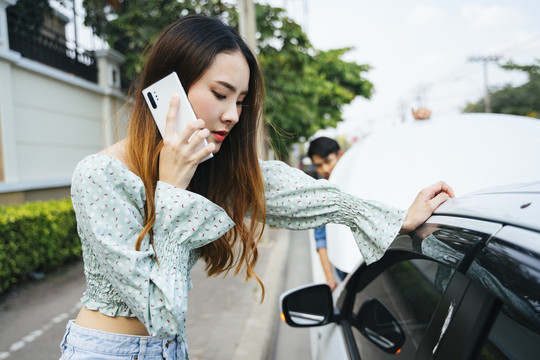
x=259, y=331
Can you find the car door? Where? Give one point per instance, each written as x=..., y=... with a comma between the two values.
x=499, y=317
x=398, y=307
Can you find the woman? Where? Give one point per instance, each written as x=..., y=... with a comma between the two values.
x=147, y=209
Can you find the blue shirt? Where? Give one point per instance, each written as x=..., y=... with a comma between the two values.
x=320, y=237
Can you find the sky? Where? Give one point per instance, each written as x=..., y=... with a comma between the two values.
x=420, y=50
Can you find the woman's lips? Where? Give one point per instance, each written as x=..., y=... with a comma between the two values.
x=220, y=135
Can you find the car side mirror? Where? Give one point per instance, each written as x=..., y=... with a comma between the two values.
x=309, y=305
x=378, y=324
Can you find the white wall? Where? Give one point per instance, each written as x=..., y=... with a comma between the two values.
x=56, y=124
x=50, y=119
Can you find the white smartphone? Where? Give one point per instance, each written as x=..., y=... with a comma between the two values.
x=158, y=98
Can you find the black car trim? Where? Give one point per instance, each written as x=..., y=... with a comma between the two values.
x=470, y=325
x=512, y=258
x=457, y=291
x=452, y=297
x=471, y=225
x=403, y=249
x=409, y=247
x=348, y=336
x=518, y=236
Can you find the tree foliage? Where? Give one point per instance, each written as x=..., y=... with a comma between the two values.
x=132, y=24
x=306, y=88
x=519, y=100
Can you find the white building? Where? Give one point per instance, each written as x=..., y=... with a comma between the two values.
x=56, y=106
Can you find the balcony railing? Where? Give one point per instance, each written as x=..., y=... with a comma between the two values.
x=47, y=45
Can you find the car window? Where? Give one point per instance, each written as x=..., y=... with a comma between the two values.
x=406, y=296
x=508, y=339
x=508, y=268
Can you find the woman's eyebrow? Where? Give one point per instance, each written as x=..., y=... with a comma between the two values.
x=230, y=86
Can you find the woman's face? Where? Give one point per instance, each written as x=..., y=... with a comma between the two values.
x=218, y=95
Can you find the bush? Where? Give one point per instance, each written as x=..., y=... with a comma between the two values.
x=36, y=237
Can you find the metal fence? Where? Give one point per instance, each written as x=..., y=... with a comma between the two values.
x=61, y=41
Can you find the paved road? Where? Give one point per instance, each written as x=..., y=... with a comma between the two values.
x=293, y=343
x=33, y=318
x=225, y=318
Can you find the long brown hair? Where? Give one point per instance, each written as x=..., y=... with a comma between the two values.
x=232, y=179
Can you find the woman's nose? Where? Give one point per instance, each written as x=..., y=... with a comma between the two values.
x=231, y=114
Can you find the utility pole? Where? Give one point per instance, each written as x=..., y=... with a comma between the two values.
x=246, y=23
x=247, y=28
x=300, y=16
x=486, y=60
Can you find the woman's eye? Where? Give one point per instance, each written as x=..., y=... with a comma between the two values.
x=240, y=103
x=218, y=95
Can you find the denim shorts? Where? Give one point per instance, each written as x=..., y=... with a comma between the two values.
x=80, y=343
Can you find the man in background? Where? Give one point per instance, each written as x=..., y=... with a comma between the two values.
x=324, y=154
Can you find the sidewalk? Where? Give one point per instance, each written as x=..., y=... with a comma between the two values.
x=226, y=319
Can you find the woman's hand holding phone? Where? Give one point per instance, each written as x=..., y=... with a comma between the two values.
x=179, y=156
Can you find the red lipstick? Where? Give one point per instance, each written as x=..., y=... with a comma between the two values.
x=220, y=135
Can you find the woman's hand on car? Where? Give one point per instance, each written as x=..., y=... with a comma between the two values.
x=179, y=158
x=427, y=201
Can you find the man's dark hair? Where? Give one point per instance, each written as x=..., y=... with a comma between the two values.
x=323, y=147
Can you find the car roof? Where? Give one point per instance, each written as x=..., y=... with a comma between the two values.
x=517, y=205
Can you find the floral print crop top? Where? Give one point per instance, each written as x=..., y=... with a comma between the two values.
x=109, y=205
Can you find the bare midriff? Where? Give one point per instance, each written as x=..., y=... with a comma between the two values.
x=93, y=319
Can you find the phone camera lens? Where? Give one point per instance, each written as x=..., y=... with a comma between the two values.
x=152, y=101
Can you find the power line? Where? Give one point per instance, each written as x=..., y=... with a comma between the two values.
x=464, y=71
x=513, y=48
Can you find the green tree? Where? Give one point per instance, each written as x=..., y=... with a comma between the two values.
x=306, y=88
x=129, y=25
x=519, y=100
